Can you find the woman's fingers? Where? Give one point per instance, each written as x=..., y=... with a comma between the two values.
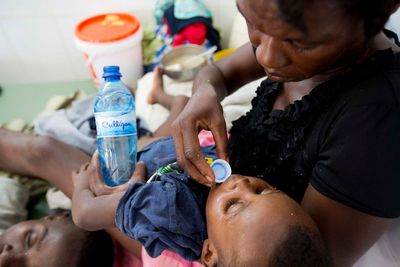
x=195, y=158
x=220, y=138
x=189, y=155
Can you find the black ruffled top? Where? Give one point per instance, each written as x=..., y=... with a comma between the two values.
x=269, y=143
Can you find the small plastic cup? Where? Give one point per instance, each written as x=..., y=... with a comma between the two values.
x=222, y=170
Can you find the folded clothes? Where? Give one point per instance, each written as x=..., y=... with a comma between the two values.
x=179, y=22
x=183, y=9
x=176, y=25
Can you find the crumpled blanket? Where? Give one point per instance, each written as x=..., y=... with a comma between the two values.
x=72, y=125
x=13, y=200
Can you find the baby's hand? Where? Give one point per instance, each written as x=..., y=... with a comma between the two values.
x=93, y=202
x=80, y=177
x=96, y=182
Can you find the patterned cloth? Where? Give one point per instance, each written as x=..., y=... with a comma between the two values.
x=183, y=9
x=172, y=17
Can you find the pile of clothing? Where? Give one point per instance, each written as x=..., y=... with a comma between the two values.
x=179, y=22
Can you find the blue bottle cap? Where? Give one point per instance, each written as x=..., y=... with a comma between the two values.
x=111, y=71
x=222, y=170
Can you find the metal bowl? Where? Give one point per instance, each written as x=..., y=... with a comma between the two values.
x=178, y=55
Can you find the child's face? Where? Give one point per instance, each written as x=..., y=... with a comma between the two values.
x=38, y=242
x=246, y=218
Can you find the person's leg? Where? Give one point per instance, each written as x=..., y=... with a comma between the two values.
x=174, y=104
x=40, y=156
x=157, y=94
x=164, y=130
x=54, y=161
x=47, y=158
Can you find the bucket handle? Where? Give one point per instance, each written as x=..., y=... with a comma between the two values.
x=90, y=59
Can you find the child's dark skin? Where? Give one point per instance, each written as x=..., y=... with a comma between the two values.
x=242, y=210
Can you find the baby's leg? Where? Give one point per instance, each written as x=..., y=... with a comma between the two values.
x=174, y=104
x=157, y=94
x=177, y=105
x=52, y=160
x=40, y=156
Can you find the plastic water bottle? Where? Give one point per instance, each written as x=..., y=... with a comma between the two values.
x=115, y=115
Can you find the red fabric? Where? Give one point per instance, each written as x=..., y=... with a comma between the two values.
x=193, y=34
x=206, y=138
x=166, y=23
x=167, y=259
x=122, y=258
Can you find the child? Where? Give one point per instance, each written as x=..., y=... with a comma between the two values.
x=54, y=241
x=249, y=223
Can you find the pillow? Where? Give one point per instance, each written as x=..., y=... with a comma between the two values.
x=239, y=34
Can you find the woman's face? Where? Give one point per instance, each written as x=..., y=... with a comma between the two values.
x=332, y=40
x=52, y=241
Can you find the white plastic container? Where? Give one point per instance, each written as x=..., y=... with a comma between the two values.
x=112, y=39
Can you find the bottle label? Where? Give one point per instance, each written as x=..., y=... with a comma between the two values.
x=112, y=123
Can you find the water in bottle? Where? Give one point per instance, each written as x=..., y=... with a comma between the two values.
x=114, y=111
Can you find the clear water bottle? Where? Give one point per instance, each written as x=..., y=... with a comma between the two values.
x=114, y=110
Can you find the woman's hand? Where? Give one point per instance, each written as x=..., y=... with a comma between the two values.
x=203, y=111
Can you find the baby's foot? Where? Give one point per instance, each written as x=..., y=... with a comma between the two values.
x=157, y=89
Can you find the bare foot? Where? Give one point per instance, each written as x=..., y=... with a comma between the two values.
x=157, y=90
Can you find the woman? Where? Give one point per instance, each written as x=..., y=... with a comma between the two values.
x=324, y=126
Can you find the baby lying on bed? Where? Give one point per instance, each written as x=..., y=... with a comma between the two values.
x=241, y=222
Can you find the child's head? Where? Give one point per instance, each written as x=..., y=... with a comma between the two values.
x=52, y=242
x=252, y=224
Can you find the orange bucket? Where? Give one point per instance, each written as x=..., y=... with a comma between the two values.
x=112, y=39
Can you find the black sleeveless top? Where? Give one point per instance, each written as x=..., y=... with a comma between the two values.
x=343, y=138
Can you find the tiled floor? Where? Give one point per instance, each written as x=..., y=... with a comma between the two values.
x=26, y=101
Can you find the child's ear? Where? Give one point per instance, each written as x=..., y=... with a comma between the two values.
x=209, y=255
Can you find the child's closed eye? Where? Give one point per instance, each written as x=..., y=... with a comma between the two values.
x=262, y=190
x=232, y=204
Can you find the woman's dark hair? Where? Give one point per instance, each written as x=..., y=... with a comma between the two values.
x=301, y=248
x=373, y=13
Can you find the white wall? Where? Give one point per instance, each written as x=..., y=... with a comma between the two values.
x=36, y=36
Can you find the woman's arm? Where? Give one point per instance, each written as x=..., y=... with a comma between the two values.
x=349, y=233
x=204, y=111
x=231, y=72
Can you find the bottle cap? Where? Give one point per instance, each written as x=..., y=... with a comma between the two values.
x=111, y=71
x=222, y=170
